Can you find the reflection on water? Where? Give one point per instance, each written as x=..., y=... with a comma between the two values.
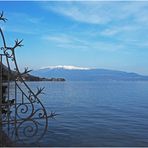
x=96, y=113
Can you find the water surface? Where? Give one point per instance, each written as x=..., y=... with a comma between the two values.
x=96, y=113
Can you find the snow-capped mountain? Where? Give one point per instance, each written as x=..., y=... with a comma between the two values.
x=66, y=67
x=74, y=73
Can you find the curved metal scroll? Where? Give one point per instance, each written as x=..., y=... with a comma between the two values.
x=26, y=120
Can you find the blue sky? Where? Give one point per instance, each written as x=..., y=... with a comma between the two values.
x=111, y=35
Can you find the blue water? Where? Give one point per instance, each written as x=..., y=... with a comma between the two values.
x=96, y=113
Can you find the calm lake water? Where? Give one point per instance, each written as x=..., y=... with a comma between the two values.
x=96, y=113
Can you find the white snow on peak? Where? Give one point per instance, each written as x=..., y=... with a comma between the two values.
x=66, y=67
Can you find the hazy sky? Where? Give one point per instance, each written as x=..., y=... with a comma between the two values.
x=112, y=35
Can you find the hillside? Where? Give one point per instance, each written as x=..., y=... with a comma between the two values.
x=27, y=77
x=72, y=73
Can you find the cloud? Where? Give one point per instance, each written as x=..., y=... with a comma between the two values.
x=78, y=11
x=60, y=38
x=113, y=26
x=116, y=30
x=117, y=21
x=99, y=12
x=66, y=41
x=64, y=38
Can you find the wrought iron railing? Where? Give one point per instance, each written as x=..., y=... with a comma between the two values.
x=23, y=117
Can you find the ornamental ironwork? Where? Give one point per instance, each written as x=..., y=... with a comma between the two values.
x=23, y=117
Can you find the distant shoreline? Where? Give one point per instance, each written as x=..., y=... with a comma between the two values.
x=33, y=78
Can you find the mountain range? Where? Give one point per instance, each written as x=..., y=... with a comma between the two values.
x=73, y=73
x=28, y=77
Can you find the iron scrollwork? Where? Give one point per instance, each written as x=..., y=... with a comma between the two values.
x=24, y=114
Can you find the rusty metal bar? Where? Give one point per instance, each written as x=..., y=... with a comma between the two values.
x=8, y=89
x=15, y=116
x=0, y=100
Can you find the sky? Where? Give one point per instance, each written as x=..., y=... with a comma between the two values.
x=93, y=34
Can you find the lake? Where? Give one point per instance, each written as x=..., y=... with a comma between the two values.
x=96, y=113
